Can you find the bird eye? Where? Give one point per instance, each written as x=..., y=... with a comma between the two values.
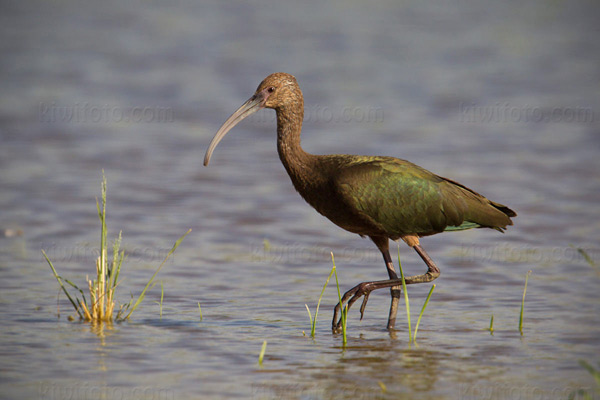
x=271, y=89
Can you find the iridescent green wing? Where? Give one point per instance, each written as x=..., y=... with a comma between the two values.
x=399, y=196
x=404, y=198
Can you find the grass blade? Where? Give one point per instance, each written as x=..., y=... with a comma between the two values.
x=594, y=372
x=313, y=323
x=491, y=328
x=422, y=311
x=141, y=296
x=62, y=286
x=311, y=320
x=585, y=255
x=261, y=355
x=102, y=287
x=118, y=257
x=344, y=307
x=523, y=303
x=410, y=335
x=160, y=303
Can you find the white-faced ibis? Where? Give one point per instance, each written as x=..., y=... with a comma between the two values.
x=379, y=197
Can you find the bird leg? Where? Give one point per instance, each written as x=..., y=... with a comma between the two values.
x=395, y=292
x=365, y=288
x=382, y=244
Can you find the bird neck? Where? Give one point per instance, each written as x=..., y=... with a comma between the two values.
x=299, y=164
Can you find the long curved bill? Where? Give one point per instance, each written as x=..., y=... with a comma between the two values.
x=251, y=106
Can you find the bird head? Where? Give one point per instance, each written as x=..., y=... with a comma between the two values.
x=279, y=90
x=276, y=91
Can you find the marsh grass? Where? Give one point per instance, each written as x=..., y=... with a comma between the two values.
x=101, y=305
x=593, y=371
x=160, y=303
x=423, y=311
x=523, y=303
x=588, y=393
x=313, y=322
x=406, y=301
x=411, y=337
x=266, y=245
x=585, y=256
x=344, y=310
x=491, y=328
x=261, y=355
x=200, y=311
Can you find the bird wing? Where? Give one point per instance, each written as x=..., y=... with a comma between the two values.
x=402, y=198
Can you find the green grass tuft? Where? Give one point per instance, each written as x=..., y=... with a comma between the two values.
x=261, y=355
x=102, y=290
x=422, y=311
x=160, y=303
x=593, y=371
x=588, y=393
x=523, y=303
x=141, y=296
x=344, y=309
x=410, y=335
x=266, y=245
x=313, y=323
x=587, y=257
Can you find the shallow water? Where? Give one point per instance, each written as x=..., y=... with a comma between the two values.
x=504, y=99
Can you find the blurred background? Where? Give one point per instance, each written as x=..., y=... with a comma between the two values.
x=503, y=97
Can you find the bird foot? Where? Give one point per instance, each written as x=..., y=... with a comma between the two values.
x=365, y=289
x=349, y=298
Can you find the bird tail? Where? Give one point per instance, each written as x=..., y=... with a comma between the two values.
x=509, y=213
x=476, y=210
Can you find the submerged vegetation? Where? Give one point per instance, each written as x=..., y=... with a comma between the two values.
x=423, y=311
x=313, y=322
x=101, y=304
x=412, y=334
x=589, y=393
x=585, y=255
x=160, y=303
x=344, y=316
x=523, y=304
x=344, y=311
x=411, y=337
x=261, y=355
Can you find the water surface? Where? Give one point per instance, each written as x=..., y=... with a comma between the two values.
x=501, y=97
